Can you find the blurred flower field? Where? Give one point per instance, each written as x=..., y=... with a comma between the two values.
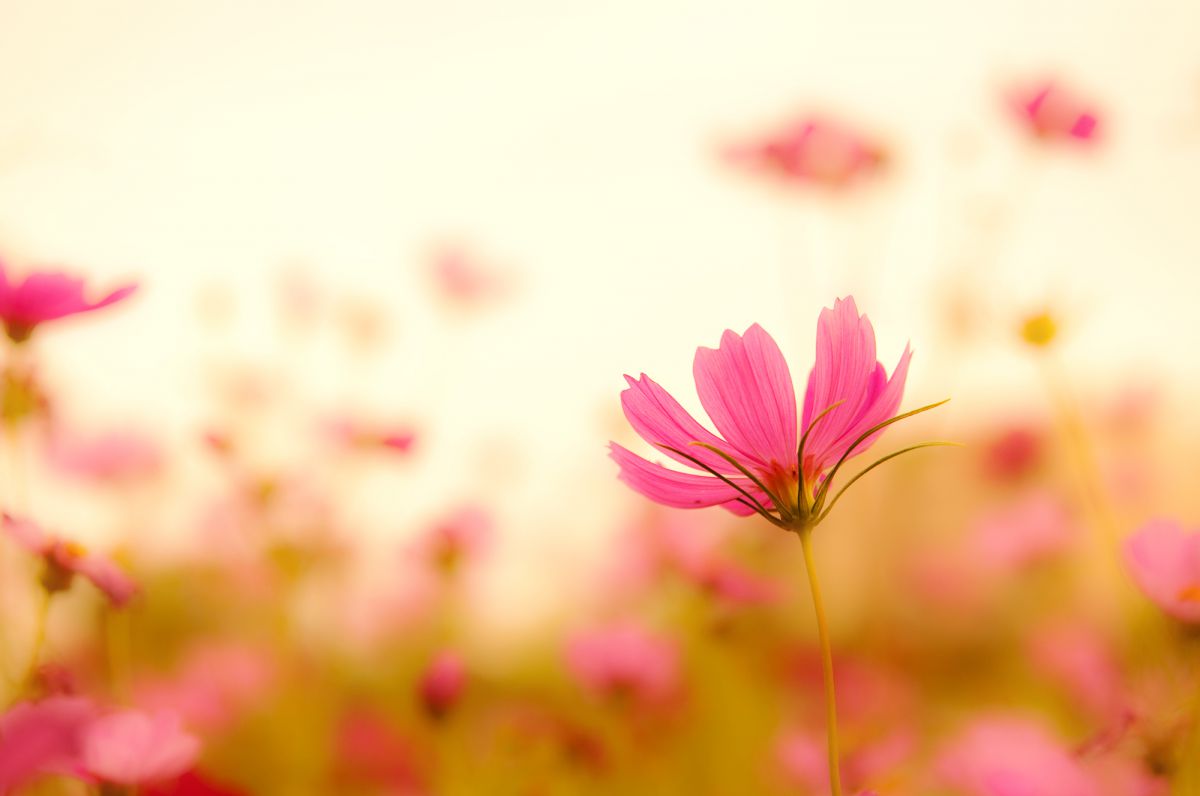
x=816, y=585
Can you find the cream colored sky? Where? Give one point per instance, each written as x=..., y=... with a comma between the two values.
x=197, y=143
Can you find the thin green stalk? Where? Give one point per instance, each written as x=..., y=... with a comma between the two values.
x=835, y=775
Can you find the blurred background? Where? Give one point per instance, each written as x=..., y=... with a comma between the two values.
x=461, y=223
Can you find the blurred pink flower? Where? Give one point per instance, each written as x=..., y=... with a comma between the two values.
x=190, y=783
x=443, y=683
x=371, y=751
x=1035, y=529
x=64, y=560
x=134, y=748
x=460, y=537
x=813, y=150
x=118, y=456
x=1165, y=563
x=1012, y=756
x=804, y=762
x=625, y=660
x=1082, y=663
x=1013, y=454
x=462, y=278
x=38, y=738
x=46, y=296
x=746, y=389
x=1051, y=112
x=354, y=434
x=214, y=685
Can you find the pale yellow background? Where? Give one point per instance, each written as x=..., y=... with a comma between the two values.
x=193, y=145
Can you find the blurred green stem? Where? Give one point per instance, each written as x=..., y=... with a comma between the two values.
x=835, y=775
x=39, y=634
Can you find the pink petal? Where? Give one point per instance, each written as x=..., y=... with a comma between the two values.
x=108, y=578
x=1164, y=561
x=39, y=738
x=746, y=388
x=134, y=748
x=660, y=420
x=846, y=370
x=25, y=532
x=676, y=489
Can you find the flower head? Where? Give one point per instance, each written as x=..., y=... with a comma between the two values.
x=134, y=748
x=46, y=296
x=64, y=560
x=1012, y=756
x=625, y=660
x=815, y=151
x=443, y=683
x=1051, y=112
x=1165, y=563
x=761, y=463
x=38, y=738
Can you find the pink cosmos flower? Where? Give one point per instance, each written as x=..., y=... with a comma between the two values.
x=1165, y=563
x=625, y=660
x=134, y=748
x=1051, y=112
x=1012, y=756
x=46, y=296
x=64, y=560
x=813, y=150
x=38, y=738
x=443, y=682
x=760, y=464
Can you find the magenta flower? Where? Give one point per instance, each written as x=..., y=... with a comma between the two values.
x=46, y=296
x=1165, y=563
x=625, y=661
x=1051, y=112
x=815, y=151
x=132, y=748
x=113, y=457
x=443, y=683
x=1012, y=756
x=64, y=560
x=760, y=463
x=39, y=738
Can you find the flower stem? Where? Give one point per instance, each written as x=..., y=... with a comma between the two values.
x=39, y=634
x=835, y=775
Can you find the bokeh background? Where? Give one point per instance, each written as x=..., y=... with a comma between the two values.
x=284, y=181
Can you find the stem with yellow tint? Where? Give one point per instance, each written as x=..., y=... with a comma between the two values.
x=835, y=774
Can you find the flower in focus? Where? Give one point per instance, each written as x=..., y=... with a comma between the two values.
x=64, y=560
x=443, y=682
x=1165, y=563
x=761, y=464
x=625, y=661
x=815, y=151
x=1012, y=756
x=1051, y=112
x=38, y=738
x=134, y=748
x=46, y=296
